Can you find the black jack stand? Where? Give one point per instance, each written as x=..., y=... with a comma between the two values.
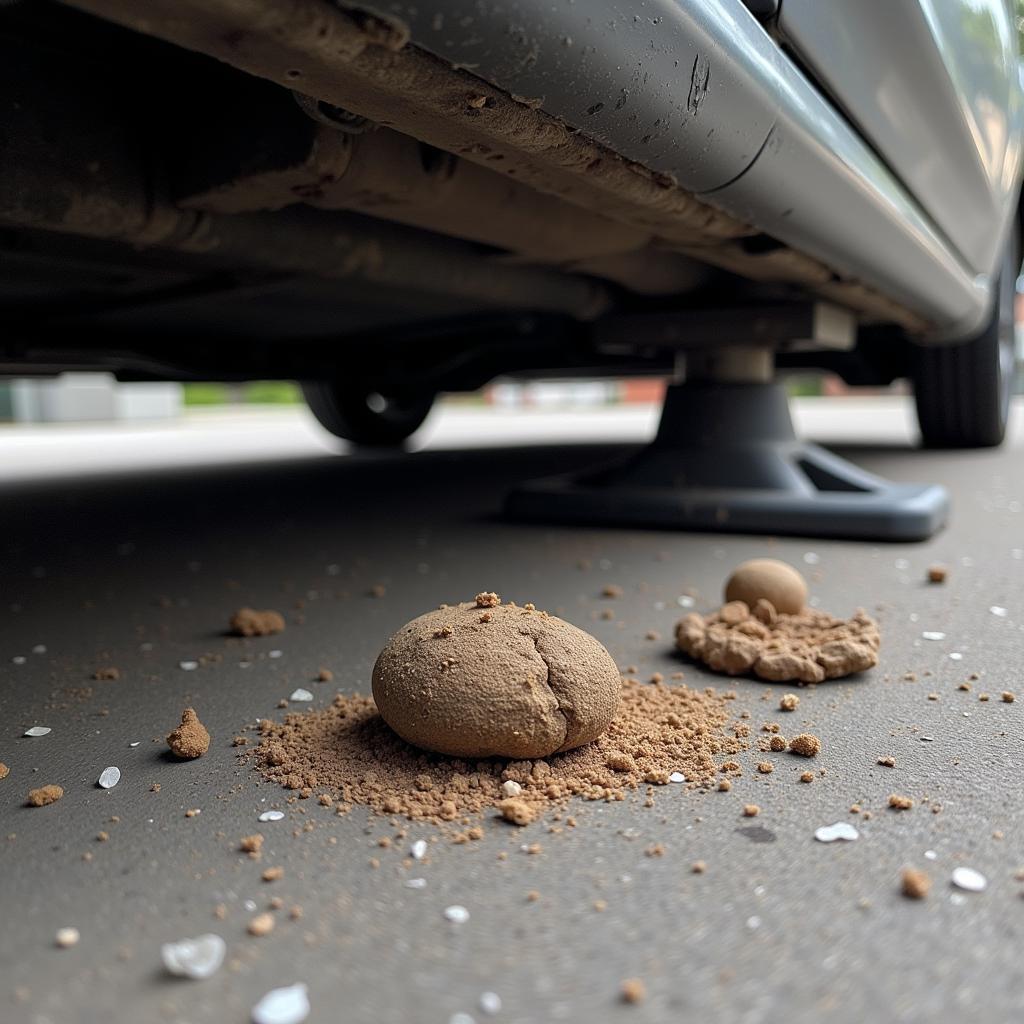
x=726, y=458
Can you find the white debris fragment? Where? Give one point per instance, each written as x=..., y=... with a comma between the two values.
x=283, y=1006
x=840, y=830
x=490, y=1003
x=461, y=1018
x=456, y=914
x=999, y=611
x=109, y=777
x=301, y=694
x=927, y=739
x=511, y=788
x=685, y=601
x=67, y=937
x=969, y=879
x=677, y=777
x=955, y=656
x=188, y=666
x=271, y=816
x=249, y=905
x=135, y=743
x=274, y=654
x=901, y=563
x=931, y=855
x=19, y=659
x=812, y=557
x=931, y=634
x=39, y=649
x=194, y=958
x=753, y=922
x=419, y=849
x=415, y=883
x=38, y=730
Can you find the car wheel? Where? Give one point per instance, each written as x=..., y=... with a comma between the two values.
x=352, y=410
x=963, y=391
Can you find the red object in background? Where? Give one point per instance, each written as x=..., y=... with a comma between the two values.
x=644, y=390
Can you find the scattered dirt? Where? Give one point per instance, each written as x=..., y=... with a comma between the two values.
x=807, y=777
x=789, y=702
x=887, y=762
x=349, y=751
x=44, y=795
x=325, y=675
x=250, y=622
x=108, y=673
x=915, y=884
x=633, y=991
x=1008, y=697
x=751, y=810
x=251, y=844
x=900, y=803
x=937, y=574
x=523, y=684
x=4, y=770
x=272, y=874
x=808, y=647
x=261, y=924
x=806, y=745
x=519, y=812
x=190, y=739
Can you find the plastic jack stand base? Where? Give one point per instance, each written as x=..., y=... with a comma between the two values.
x=726, y=458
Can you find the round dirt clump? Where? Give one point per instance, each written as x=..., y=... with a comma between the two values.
x=489, y=680
x=808, y=647
x=769, y=580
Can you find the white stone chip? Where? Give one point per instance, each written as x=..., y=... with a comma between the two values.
x=194, y=958
x=19, y=659
x=275, y=654
x=419, y=849
x=456, y=914
x=39, y=649
x=677, y=777
x=969, y=879
x=67, y=937
x=685, y=601
x=490, y=1003
x=283, y=1006
x=38, y=730
x=271, y=816
x=840, y=830
x=415, y=883
x=109, y=777
x=932, y=634
x=301, y=694
x=135, y=744
x=812, y=557
x=188, y=666
x=511, y=788
x=931, y=855
x=956, y=656
x=999, y=611
x=461, y=1018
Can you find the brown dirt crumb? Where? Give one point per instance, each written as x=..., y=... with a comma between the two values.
x=325, y=675
x=155, y=788
x=657, y=850
x=1008, y=697
x=44, y=795
x=600, y=906
x=190, y=739
x=652, y=634
x=900, y=803
x=102, y=837
x=193, y=812
x=633, y=991
x=724, y=785
x=261, y=924
x=273, y=874
x=807, y=777
x=250, y=622
x=487, y=599
x=517, y=811
x=765, y=767
x=887, y=762
x=806, y=745
x=4, y=770
x=532, y=896
x=789, y=702
x=611, y=590
x=937, y=574
x=251, y=844
x=377, y=590
x=983, y=697
x=698, y=867
x=915, y=884
x=964, y=686
x=107, y=673
x=777, y=744
x=751, y=810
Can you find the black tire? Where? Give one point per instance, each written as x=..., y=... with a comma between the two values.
x=963, y=391
x=356, y=412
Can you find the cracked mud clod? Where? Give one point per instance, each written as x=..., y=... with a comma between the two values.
x=521, y=684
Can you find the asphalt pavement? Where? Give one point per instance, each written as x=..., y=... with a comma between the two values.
x=136, y=563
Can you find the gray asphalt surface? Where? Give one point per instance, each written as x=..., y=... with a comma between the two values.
x=142, y=571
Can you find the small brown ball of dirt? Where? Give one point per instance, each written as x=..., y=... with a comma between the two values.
x=915, y=884
x=523, y=685
x=250, y=622
x=806, y=745
x=769, y=580
x=519, y=812
x=937, y=574
x=190, y=739
x=44, y=795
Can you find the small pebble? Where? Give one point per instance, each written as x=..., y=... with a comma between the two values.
x=109, y=778
x=274, y=654
x=841, y=830
x=418, y=849
x=67, y=937
x=38, y=730
x=282, y=1006
x=677, y=777
x=188, y=666
x=998, y=611
x=490, y=1003
x=271, y=816
x=194, y=958
x=415, y=883
x=969, y=879
x=301, y=695
x=456, y=914
x=930, y=634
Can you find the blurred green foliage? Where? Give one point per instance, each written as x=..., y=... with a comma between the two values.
x=256, y=392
